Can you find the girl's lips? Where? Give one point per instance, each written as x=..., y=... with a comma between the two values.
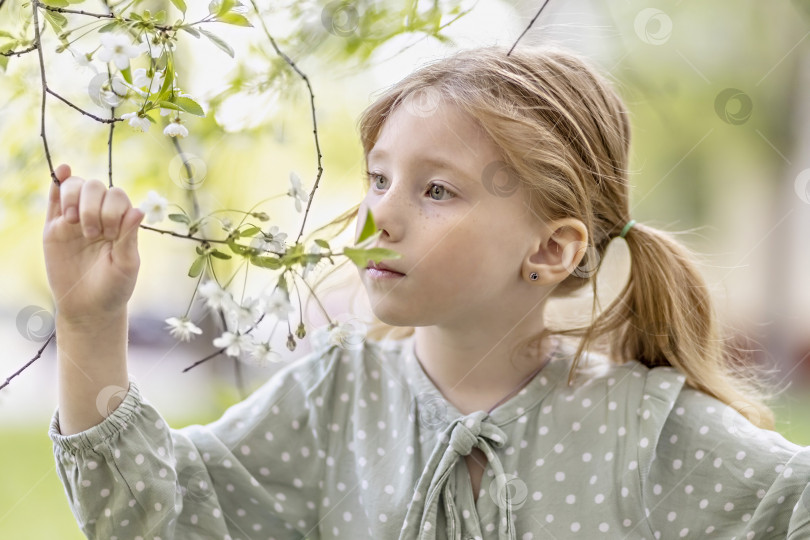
x=378, y=273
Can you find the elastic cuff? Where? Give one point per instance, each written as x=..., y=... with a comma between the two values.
x=107, y=428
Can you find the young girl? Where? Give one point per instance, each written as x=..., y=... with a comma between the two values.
x=501, y=180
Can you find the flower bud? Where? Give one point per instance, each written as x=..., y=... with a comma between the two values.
x=301, y=331
x=291, y=342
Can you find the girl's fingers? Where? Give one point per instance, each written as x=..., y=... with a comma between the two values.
x=90, y=201
x=113, y=209
x=69, y=191
x=54, y=203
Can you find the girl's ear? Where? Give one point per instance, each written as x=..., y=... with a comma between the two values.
x=562, y=245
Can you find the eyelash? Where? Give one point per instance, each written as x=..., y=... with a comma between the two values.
x=370, y=175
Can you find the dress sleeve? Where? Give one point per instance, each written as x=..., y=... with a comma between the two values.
x=253, y=473
x=717, y=475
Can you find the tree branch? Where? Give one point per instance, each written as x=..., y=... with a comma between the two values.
x=314, y=120
x=539, y=11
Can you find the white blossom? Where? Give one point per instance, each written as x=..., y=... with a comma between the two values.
x=349, y=335
x=262, y=355
x=142, y=80
x=272, y=240
x=175, y=129
x=297, y=191
x=154, y=207
x=234, y=343
x=276, y=303
x=82, y=60
x=119, y=49
x=245, y=314
x=182, y=328
x=138, y=122
x=215, y=296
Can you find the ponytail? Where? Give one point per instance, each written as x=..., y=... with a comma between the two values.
x=664, y=316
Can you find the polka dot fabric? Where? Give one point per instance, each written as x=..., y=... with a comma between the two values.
x=361, y=444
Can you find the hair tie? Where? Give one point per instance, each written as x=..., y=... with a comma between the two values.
x=627, y=228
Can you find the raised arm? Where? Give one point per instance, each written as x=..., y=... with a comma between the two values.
x=92, y=262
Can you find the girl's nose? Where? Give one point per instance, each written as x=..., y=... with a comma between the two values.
x=388, y=210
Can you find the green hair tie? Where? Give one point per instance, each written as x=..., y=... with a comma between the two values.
x=627, y=228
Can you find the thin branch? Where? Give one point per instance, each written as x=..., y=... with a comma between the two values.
x=34, y=5
x=93, y=116
x=18, y=53
x=100, y=16
x=314, y=121
x=34, y=359
x=539, y=11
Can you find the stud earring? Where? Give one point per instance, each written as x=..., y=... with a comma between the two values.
x=533, y=276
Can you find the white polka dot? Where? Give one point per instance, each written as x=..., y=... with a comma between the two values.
x=604, y=527
x=570, y=499
x=383, y=518
x=139, y=459
x=575, y=526
x=559, y=476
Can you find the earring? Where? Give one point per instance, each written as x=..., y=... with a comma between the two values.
x=533, y=276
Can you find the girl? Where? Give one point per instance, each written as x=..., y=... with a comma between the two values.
x=501, y=180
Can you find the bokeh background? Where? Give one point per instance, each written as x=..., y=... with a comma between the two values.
x=721, y=151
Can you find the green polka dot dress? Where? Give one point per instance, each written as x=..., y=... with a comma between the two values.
x=356, y=444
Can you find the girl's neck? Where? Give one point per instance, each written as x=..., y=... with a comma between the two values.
x=473, y=378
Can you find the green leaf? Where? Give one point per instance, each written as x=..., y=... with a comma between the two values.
x=168, y=79
x=57, y=20
x=169, y=105
x=191, y=31
x=234, y=18
x=323, y=243
x=127, y=74
x=180, y=4
x=237, y=248
x=218, y=7
x=196, y=266
x=250, y=231
x=369, y=227
x=3, y=33
x=188, y=105
x=109, y=27
x=360, y=257
x=220, y=255
x=218, y=42
x=265, y=262
x=56, y=3
x=180, y=218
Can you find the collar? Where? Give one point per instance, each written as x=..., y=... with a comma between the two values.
x=458, y=435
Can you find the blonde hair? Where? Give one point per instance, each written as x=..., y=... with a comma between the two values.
x=565, y=135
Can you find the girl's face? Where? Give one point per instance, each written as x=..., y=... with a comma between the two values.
x=439, y=193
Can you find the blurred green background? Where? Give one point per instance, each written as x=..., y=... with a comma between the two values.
x=729, y=167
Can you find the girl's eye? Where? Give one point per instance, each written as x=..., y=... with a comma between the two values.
x=435, y=189
x=441, y=190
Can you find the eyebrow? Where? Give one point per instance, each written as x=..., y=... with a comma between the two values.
x=435, y=161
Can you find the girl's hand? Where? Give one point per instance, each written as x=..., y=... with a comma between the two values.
x=91, y=248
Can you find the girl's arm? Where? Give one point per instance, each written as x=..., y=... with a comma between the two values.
x=92, y=370
x=716, y=474
x=254, y=473
x=91, y=259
